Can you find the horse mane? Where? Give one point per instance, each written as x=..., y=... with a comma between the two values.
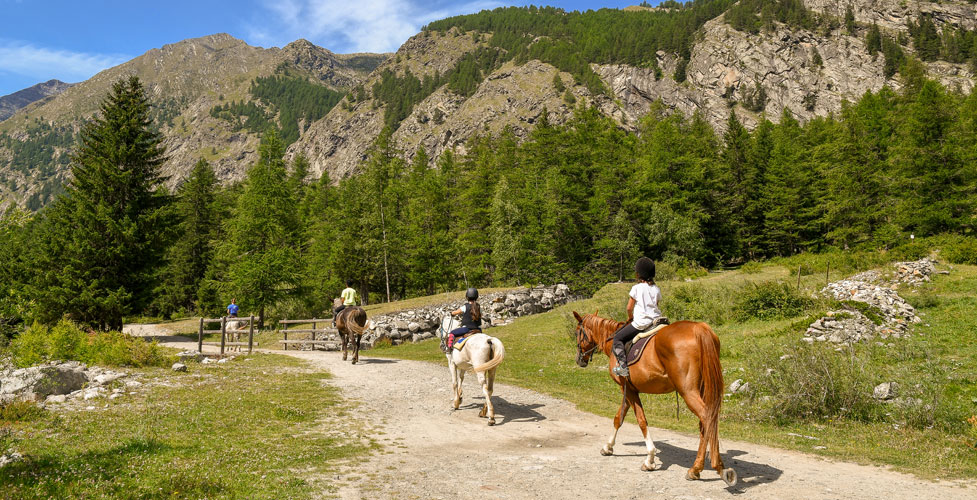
x=602, y=328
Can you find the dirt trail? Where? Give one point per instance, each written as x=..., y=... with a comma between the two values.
x=544, y=447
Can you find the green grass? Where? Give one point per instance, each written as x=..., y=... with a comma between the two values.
x=942, y=359
x=258, y=427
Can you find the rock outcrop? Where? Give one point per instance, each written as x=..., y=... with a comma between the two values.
x=55, y=382
x=892, y=315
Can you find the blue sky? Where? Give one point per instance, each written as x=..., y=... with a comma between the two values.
x=73, y=40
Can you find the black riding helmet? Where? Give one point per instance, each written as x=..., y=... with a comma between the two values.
x=472, y=294
x=645, y=269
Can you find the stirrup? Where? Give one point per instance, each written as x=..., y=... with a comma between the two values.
x=621, y=370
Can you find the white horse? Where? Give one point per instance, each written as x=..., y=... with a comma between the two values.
x=480, y=353
x=234, y=328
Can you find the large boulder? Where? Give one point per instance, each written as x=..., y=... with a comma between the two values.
x=38, y=382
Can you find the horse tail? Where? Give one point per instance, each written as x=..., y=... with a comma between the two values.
x=711, y=384
x=498, y=354
x=356, y=321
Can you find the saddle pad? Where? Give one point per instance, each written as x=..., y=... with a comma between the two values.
x=637, y=345
x=460, y=343
x=636, y=348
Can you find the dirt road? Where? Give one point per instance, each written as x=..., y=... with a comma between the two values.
x=544, y=447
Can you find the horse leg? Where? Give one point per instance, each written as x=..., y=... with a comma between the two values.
x=608, y=448
x=343, y=336
x=487, y=409
x=355, y=339
x=461, y=380
x=695, y=403
x=651, y=463
x=454, y=382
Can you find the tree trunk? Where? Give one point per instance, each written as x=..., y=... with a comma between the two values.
x=386, y=271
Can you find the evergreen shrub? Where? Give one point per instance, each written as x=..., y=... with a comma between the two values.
x=770, y=300
x=960, y=250
x=66, y=341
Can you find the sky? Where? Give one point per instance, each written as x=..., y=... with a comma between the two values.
x=71, y=40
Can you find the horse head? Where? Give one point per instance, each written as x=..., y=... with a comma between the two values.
x=446, y=325
x=586, y=345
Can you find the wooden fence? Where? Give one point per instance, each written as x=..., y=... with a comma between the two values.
x=310, y=339
x=223, y=331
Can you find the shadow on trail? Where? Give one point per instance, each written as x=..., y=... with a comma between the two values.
x=506, y=411
x=376, y=361
x=750, y=473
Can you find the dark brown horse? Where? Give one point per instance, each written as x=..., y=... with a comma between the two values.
x=681, y=357
x=351, y=323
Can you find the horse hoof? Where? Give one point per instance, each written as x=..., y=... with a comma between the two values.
x=729, y=475
x=491, y=421
x=605, y=451
x=692, y=475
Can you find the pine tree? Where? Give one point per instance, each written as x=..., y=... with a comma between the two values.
x=103, y=239
x=188, y=259
x=261, y=248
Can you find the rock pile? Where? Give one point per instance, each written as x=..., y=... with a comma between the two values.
x=500, y=308
x=57, y=382
x=893, y=314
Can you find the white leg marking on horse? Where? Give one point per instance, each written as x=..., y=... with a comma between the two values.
x=609, y=447
x=651, y=462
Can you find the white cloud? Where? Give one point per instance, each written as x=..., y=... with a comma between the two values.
x=353, y=25
x=43, y=63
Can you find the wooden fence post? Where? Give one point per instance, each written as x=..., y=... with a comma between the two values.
x=200, y=336
x=223, y=333
x=250, y=333
x=827, y=269
x=799, y=276
x=285, y=333
x=313, y=331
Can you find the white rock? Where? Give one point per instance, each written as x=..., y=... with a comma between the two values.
x=179, y=367
x=886, y=391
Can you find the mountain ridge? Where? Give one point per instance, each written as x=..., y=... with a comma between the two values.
x=11, y=103
x=446, y=85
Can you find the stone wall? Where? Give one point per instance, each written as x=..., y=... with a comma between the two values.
x=414, y=325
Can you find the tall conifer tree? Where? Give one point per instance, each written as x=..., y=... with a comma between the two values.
x=103, y=239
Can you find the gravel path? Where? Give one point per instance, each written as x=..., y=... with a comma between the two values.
x=544, y=447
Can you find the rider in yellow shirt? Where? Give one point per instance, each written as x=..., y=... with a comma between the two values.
x=349, y=299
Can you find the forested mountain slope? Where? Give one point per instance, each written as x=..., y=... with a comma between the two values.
x=482, y=73
x=186, y=81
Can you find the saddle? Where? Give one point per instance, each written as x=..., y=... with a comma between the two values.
x=459, y=342
x=636, y=347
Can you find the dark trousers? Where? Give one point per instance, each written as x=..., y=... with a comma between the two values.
x=621, y=337
x=337, y=310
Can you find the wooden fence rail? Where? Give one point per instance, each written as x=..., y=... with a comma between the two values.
x=223, y=331
x=313, y=331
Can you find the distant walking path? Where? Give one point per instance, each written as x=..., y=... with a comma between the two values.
x=544, y=447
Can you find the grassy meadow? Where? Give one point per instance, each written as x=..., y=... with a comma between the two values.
x=936, y=366
x=189, y=435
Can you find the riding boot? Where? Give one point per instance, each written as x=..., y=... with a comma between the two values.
x=621, y=370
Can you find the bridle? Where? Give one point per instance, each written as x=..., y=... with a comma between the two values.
x=581, y=354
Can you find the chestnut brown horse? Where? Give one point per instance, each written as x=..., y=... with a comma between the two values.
x=681, y=357
x=351, y=323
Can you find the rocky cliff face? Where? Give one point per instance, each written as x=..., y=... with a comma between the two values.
x=725, y=68
x=9, y=104
x=186, y=79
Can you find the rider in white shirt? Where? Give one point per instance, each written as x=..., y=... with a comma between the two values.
x=643, y=310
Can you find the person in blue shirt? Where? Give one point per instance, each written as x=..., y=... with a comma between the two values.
x=232, y=309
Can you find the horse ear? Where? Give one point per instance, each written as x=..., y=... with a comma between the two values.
x=579, y=319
